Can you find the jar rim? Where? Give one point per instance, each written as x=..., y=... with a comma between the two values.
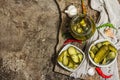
x=82, y=16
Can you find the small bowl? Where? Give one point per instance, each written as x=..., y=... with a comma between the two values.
x=65, y=48
x=101, y=65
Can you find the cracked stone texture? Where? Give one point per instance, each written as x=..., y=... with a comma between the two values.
x=28, y=35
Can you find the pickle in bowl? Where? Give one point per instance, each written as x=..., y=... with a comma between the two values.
x=102, y=53
x=70, y=57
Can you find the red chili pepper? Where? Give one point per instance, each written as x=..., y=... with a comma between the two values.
x=71, y=40
x=99, y=71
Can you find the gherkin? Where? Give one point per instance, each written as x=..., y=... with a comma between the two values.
x=100, y=55
x=112, y=48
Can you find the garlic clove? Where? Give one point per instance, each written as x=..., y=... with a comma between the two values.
x=66, y=11
x=71, y=11
x=91, y=71
x=71, y=7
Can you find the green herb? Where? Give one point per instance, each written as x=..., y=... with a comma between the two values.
x=66, y=35
x=107, y=25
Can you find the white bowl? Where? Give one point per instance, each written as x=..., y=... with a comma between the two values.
x=65, y=48
x=100, y=65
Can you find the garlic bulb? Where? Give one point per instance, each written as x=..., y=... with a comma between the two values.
x=71, y=11
x=91, y=71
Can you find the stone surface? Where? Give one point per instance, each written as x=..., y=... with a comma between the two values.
x=28, y=36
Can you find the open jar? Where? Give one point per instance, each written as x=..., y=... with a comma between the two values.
x=82, y=27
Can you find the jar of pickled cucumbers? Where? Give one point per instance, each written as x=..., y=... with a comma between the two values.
x=82, y=27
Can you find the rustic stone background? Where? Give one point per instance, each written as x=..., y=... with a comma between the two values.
x=28, y=36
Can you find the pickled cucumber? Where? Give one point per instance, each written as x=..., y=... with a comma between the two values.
x=65, y=60
x=111, y=55
x=70, y=58
x=75, y=66
x=71, y=64
x=94, y=49
x=91, y=54
x=83, y=23
x=75, y=28
x=65, y=53
x=101, y=54
x=99, y=45
x=113, y=49
x=72, y=50
x=60, y=57
x=75, y=58
x=79, y=30
x=104, y=61
x=80, y=57
x=106, y=43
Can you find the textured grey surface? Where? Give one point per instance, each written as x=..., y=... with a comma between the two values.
x=28, y=31
x=28, y=35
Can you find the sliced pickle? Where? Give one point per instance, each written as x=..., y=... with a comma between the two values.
x=60, y=57
x=94, y=49
x=75, y=66
x=111, y=55
x=71, y=63
x=99, y=45
x=65, y=60
x=104, y=61
x=79, y=30
x=106, y=43
x=113, y=49
x=83, y=23
x=65, y=53
x=91, y=54
x=72, y=50
x=74, y=27
x=75, y=58
x=80, y=57
x=78, y=52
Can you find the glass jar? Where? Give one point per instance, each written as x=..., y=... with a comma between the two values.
x=82, y=27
